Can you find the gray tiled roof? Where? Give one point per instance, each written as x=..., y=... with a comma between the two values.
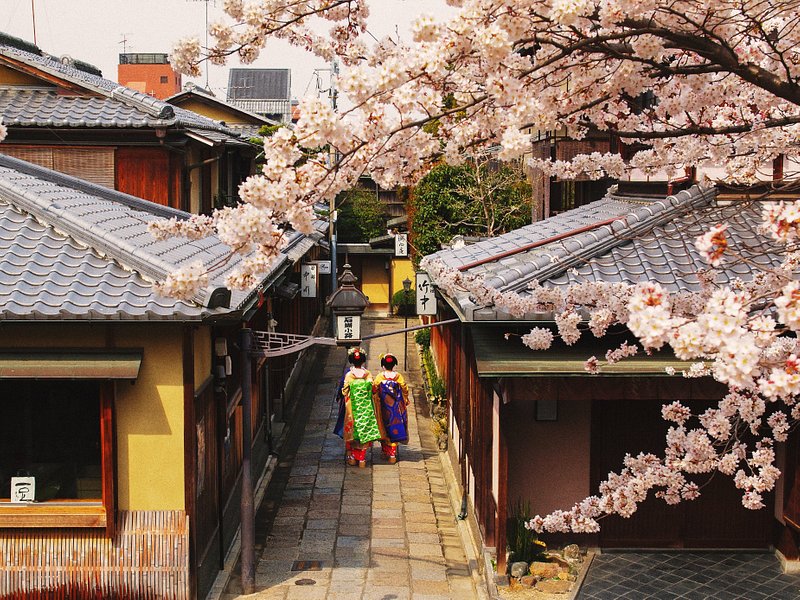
x=117, y=106
x=259, y=84
x=616, y=239
x=46, y=108
x=74, y=250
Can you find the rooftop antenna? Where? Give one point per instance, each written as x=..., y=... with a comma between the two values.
x=33, y=19
x=124, y=42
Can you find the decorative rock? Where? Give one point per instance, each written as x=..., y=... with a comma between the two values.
x=555, y=557
x=528, y=581
x=545, y=570
x=553, y=586
x=573, y=553
x=519, y=569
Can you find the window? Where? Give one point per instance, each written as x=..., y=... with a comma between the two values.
x=164, y=79
x=59, y=434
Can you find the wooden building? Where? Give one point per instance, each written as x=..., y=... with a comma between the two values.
x=124, y=407
x=204, y=103
x=64, y=116
x=534, y=426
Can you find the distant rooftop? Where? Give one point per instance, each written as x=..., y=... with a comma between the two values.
x=144, y=58
x=259, y=84
x=25, y=46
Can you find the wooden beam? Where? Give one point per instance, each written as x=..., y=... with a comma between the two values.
x=190, y=452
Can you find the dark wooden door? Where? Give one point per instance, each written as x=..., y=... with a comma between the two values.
x=715, y=520
x=147, y=173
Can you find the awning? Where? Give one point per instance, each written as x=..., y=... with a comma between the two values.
x=71, y=364
x=498, y=357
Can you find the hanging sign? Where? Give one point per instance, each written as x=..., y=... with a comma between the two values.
x=426, y=298
x=401, y=244
x=348, y=328
x=308, y=281
x=324, y=267
x=23, y=489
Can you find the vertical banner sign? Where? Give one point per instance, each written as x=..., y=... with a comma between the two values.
x=348, y=327
x=308, y=281
x=401, y=244
x=23, y=489
x=426, y=299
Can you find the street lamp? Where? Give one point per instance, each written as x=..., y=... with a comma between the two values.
x=406, y=289
x=347, y=304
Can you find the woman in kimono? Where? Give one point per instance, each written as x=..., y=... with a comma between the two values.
x=391, y=392
x=361, y=421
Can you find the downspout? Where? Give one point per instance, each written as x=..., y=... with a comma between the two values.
x=462, y=406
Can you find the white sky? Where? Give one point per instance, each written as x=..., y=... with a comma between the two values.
x=93, y=31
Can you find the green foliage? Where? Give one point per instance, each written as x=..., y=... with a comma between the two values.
x=406, y=302
x=483, y=199
x=361, y=216
x=436, y=385
x=423, y=338
x=523, y=543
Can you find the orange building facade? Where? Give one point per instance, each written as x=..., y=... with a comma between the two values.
x=149, y=73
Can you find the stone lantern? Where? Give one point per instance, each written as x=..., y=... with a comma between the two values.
x=347, y=304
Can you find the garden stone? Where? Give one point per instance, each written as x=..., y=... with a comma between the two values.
x=519, y=569
x=528, y=581
x=545, y=570
x=555, y=557
x=573, y=553
x=553, y=586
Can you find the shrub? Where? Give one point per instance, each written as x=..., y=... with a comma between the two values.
x=423, y=338
x=406, y=302
x=523, y=543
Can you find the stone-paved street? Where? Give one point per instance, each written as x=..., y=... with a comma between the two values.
x=386, y=532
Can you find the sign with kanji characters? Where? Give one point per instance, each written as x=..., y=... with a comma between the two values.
x=348, y=328
x=23, y=489
x=324, y=267
x=401, y=244
x=426, y=298
x=308, y=281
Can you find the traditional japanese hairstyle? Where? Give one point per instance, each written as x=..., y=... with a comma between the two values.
x=356, y=356
x=388, y=361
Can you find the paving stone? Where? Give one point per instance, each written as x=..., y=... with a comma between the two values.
x=388, y=543
x=381, y=592
x=388, y=532
x=430, y=587
x=425, y=549
x=387, y=513
x=307, y=592
x=322, y=524
x=417, y=527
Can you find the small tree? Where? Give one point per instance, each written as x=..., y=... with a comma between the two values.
x=480, y=198
x=362, y=216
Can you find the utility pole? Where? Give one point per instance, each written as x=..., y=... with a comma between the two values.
x=33, y=19
x=333, y=94
x=208, y=66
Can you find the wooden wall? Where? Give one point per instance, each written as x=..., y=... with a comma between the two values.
x=149, y=173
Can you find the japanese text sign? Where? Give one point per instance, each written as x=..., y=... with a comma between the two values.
x=401, y=244
x=348, y=328
x=23, y=489
x=426, y=298
x=308, y=281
